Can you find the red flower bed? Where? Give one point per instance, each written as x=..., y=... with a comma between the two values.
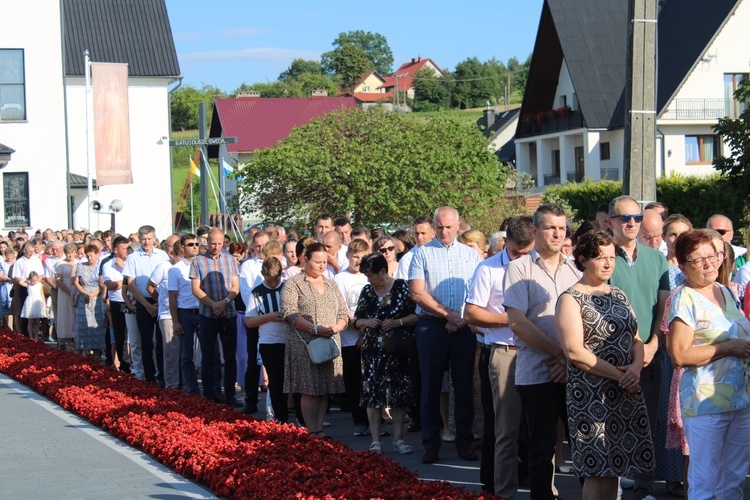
x=234, y=455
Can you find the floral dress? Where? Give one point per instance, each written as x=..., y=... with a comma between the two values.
x=385, y=377
x=90, y=317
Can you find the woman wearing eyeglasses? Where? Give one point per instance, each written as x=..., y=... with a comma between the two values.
x=388, y=248
x=709, y=337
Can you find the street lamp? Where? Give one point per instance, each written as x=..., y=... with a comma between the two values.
x=5, y=153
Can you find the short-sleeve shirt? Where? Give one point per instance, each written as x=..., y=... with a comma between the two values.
x=446, y=271
x=112, y=272
x=642, y=281
x=139, y=265
x=531, y=289
x=23, y=266
x=350, y=285
x=265, y=300
x=486, y=291
x=178, y=280
x=722, y=385
x=215, y=275
x=250, y=277
x=160, y=278
x=49, y=267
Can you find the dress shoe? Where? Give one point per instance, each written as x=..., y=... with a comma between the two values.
x=468, y=454
x=219, y=398
x=430, y=456
x=414, y=427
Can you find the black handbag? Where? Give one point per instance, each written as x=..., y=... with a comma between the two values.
x=399, y=342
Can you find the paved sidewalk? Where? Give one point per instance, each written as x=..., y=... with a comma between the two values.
x=46, y=452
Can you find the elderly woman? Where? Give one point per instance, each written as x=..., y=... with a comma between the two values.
x=384, y=305
x=609, y=431
x=388, y=248
x=90, y=317
x=708, y=336
x=312, y=306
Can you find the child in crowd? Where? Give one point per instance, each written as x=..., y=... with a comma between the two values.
x=35, y=306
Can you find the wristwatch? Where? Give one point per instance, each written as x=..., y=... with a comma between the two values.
x=229, y=301
x=314, y=330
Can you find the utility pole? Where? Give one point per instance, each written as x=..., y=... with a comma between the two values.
x=204, y=163
x=639, y=166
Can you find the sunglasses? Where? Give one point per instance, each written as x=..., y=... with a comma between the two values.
x=387, y=249
x=194, y=244
x=722, y=231
x=625, y=218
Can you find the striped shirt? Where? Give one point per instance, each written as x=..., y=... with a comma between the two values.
x=531, y=289
x=215, y=275
x=266, y=300
x=446, y=271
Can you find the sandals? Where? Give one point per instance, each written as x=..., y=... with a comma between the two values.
x=401, y=447
x=376, y=447
x=322, y=436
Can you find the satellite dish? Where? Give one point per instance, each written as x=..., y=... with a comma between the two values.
x=115, y=206
x=96, y=206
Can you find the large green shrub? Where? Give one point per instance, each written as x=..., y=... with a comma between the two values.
x=697, y=198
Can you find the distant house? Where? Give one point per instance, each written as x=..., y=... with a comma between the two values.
x=403, y=77
x=43, y=111
x=500, y=128
x=370, y=83
x=572, y=116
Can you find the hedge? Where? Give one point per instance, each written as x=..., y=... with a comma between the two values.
x=697, y=198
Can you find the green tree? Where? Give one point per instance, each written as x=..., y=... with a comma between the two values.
x=299, y=67
x=736, y=133
x=349, y=62
x=184, y=105
x=474, y=84
x=374, y=45
x=380, y=167
x=431, y=92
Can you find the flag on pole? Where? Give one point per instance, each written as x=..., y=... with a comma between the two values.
x=194, y=170
x=226, y=168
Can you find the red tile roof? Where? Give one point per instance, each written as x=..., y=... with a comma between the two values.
x=259, y=123
x=405, y=74
x=372, y=96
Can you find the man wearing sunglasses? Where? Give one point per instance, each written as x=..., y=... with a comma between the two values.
x=642, y=273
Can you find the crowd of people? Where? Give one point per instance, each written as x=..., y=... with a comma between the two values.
x=626, y=336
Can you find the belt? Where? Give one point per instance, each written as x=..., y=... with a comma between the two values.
x=193, y=310
x=504, y=347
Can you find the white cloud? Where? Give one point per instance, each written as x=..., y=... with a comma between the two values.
x=254, y=53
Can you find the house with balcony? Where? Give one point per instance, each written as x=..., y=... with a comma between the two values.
x=572, y=117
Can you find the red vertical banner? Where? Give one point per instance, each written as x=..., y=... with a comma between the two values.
x=111, y=123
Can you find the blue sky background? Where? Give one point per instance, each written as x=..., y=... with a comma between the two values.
x=228, y=42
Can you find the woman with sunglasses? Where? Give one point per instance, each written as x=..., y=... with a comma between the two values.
x=388, y=248
x=708, y=336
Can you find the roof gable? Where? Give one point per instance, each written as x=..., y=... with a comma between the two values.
x=259, y=123
x=405, y=73
x=136, y=32
x=686, y=30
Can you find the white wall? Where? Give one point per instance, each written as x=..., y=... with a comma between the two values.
x=39, y=141
x=149, y=199
x=564, y=88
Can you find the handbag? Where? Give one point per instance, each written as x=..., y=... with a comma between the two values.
x=321, y=349
x=399, y=342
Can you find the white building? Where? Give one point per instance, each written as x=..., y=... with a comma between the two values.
x=43, y=111
x=572, y=117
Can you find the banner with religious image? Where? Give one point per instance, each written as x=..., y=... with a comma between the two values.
x=111, y=123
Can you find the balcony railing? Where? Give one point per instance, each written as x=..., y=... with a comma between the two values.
x=610, y=174
x=574, y=177
x=553, y=125
x=704, y=109
x=551, y=179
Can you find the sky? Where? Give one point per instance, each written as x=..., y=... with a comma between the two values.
x=229, y=42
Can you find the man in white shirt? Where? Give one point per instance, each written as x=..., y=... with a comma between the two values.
x=24, y=265
x=250, y=269
x=138, y=268
x=112, y=277
x=332, y=242
x=157, y=287
x=351, y=282
x=183, y=307
x=424, y=232
x=49, y=272
x=501, y=403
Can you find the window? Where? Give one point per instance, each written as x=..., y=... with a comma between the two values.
x=701, y=148
x=563, y=101
x=604, y=151
x=732, y=107
x=12, y=94
x=16, y=203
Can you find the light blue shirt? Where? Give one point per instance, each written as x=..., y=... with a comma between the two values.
x=139, y=265
x=446, y=271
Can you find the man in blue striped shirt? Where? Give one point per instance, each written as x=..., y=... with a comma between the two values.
x=439, y=277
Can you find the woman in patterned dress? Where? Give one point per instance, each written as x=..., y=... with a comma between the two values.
x=312, y=306
x=90, y=317
x=609, y=430
x=385, y=304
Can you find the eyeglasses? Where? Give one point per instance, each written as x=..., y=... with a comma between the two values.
x=625, y=218
x=387, y=249
x=723, y=231
x=193, y=244
x=713, y=259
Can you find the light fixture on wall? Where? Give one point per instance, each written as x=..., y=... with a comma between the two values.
x=5, y=153
x=669, y=153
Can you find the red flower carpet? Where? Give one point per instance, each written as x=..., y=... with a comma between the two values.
x=233, y=455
